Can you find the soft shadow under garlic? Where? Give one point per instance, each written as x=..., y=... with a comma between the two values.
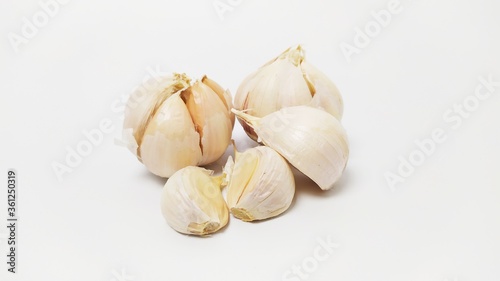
x=307, y=187
x=148, y=176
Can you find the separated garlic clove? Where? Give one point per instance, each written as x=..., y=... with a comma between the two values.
x=171, y=123
x=310, y=139
x=192, y=202
x=287, y=80
x=261, y=184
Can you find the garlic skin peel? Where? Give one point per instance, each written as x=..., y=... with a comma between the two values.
x=192, y=202
x=310, y=139
x=261, y=184
x=171, y=123
x=287, y=80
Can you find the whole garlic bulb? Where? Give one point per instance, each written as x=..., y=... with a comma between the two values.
x=171, y=123
x=261, y=184
x=192, y=202
x=287, y=80
x=310, y=139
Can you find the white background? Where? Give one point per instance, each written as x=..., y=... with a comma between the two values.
x=103, y=218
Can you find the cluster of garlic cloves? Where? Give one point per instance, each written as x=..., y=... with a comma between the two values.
x=287, y=80
x=173, y=126
x=260, y=185
x=177, y=123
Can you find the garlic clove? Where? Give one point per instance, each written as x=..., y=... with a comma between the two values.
x=211, y=119
x=287, y=84
x=280, y=84
x=261, y=184
x=192, y=203
x=224, y=95
x=170, y=141
x=146, y=99
x=310, y=139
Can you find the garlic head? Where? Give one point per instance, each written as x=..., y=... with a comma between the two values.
x=171, y=123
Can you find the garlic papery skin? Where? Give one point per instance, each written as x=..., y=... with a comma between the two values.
x=171, y=123
x=287, y=80
x=192, y=202
x=261, y=184
x=310, y=139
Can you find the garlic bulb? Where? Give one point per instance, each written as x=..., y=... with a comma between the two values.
x=192, y=202
x=287, y=80
x=172, y=123
x=261, y=184
x=310, y=139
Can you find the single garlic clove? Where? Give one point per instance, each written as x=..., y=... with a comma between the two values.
x=278, y=85
x=146, y=99
x=192, y=203
x=261, y=184
x=287, y=80
x=224, y=95
x=211, y=119
x=171, y=123
x=170, y=141
x=326, y=95
x=311, y=139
